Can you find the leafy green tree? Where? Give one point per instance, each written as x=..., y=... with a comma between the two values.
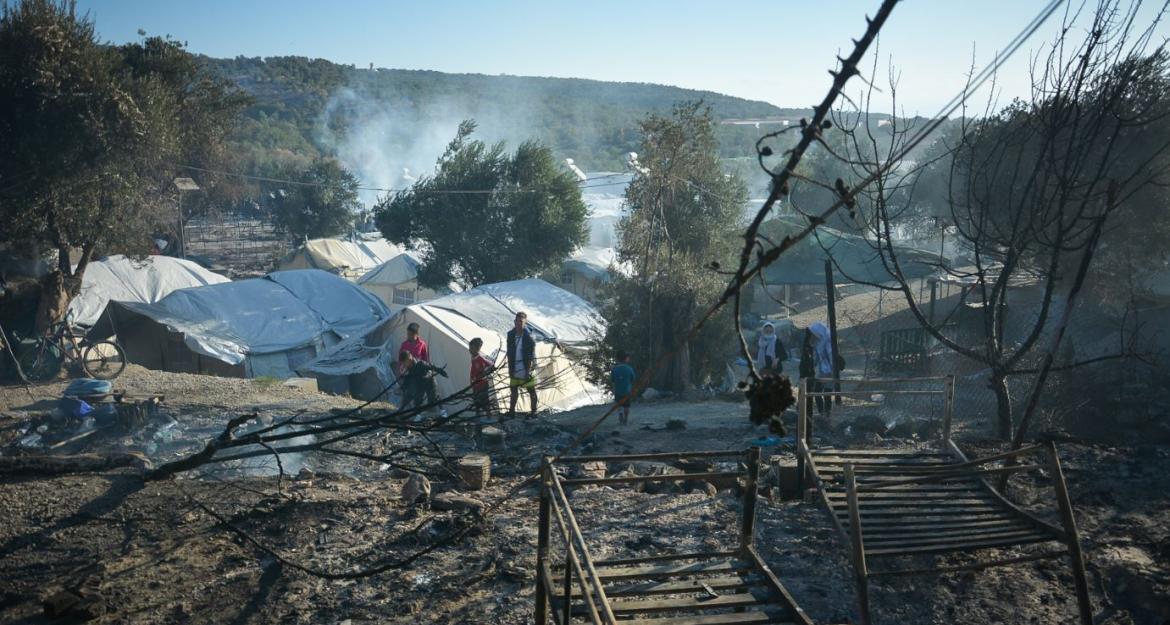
x=684, y=215
x=89, y=135
x=325, y=206
x=486, y=216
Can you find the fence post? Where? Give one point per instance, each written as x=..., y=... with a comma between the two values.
x=1072, y=536
x=948, y=409
x=542, y=535
x=831, y=295
x=750, y=494
x=859, y=568
x=801, y=432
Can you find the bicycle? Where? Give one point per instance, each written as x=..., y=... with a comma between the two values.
x=43, y=359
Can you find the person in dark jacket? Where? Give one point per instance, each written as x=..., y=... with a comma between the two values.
x=808, y=369
x=418, y=381
x=521, y=350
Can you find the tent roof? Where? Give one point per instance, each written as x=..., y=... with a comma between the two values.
x=281, y=311
x=118, y=278
x=854, y=257
x=553, y=313
x=337, y=255
x=399, y=269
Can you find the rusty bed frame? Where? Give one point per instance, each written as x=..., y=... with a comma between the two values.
x=889, y=505
x=731, y=587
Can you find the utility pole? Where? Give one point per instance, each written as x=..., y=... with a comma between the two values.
x=183, y=185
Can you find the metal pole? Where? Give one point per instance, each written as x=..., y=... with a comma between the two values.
x=182, y=238
x=831, y=294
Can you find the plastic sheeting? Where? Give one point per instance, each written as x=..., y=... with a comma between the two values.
x=553, y=313
x=285, y=310
x=122, y=279
x=347, y=258
x=561, y=383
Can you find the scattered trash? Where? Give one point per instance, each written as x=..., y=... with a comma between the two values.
x=30, y=441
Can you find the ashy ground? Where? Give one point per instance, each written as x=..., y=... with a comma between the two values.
x=157, y=553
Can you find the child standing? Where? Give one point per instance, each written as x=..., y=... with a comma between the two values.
x=481, y=368
x=622, y=377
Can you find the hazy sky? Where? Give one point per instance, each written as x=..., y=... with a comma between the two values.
x=775, y=51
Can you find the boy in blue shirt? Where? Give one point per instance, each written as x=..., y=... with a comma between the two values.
x=622, y=377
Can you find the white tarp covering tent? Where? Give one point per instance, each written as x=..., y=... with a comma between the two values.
x=262, y=327
x=560, y=321
x=121, y=279
x=395, y=282
x=349, y=259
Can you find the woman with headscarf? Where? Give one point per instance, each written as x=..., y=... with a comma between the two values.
x=816, y=361
x=770, y=352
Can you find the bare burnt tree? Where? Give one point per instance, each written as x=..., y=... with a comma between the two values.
x=1026, y=190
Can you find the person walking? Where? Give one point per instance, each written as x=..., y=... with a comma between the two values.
x=481, y=369
x=520, y=348
x=770, y=351
x=622, y=376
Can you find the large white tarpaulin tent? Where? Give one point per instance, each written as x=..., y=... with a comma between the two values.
x=559, y=320
x=262, y=327
x=145, y=281
x=346, y=258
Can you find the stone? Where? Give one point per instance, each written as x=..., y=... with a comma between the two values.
x=493, y=436
x=417, y=489
x=593, y=469
x=451, y=501
x=650, y=394
x=301, y=384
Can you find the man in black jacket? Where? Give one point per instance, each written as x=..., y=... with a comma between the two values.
x=521, y=350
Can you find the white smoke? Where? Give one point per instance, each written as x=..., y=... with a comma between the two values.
x=388, y=142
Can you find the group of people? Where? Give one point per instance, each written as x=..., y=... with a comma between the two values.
x=417, y=374
x=816, y=359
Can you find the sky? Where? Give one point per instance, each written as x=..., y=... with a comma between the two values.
x=776, y=51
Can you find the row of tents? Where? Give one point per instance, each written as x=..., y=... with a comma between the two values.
x=172, y=315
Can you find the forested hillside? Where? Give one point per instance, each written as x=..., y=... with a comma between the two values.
x=389, y=118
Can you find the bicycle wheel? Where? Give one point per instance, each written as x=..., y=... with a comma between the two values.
x=40, y=361
x=103, y=360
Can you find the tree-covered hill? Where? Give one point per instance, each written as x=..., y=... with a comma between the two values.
x=305, y=107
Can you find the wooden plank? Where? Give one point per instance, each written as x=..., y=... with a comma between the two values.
x=959, y=546
x=671, y=570
x=788, y=602
x=701, y=555
x=910, y=502
x=926, y=513
x=893, y=525
x=735, y=618
x=898, y=529
x=921, y=540
x=730, y=453
x=725, y=583
x=643, y=606
x=878, y=453
x=669, y=477
x=902, y=495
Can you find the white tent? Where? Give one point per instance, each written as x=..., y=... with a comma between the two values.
x=122, y=279
x=559, y=320
x=261, y=327
x=395, y=282
x=349, y=259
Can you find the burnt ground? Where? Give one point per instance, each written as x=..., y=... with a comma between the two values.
x=153, y=553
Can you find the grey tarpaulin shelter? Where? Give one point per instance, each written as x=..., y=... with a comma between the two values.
x=261, y=327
